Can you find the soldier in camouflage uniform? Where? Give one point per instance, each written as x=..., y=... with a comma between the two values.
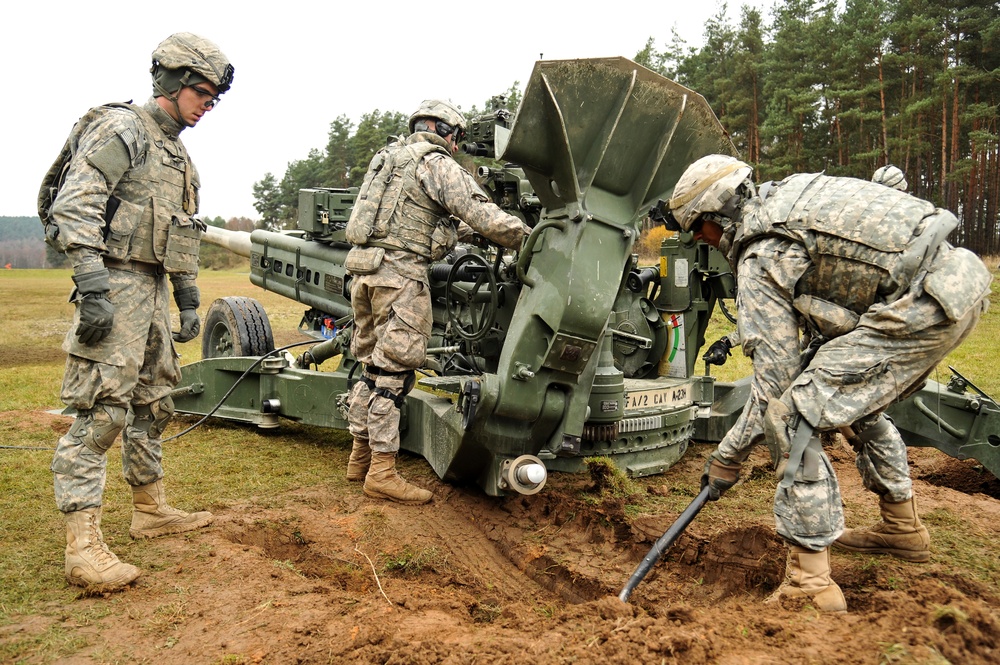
x=866, y=272
x=406, y=215
x=120, y=202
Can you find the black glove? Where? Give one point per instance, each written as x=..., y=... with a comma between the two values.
x=718, y=353
x=97, y=314
x=190, y=326
x=719, y=477
x=187, y=300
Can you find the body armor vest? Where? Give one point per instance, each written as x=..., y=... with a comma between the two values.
x=154, y=197
x=866, y=242
x=404, y=217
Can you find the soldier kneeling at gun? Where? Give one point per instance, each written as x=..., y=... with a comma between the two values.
x=865, y=270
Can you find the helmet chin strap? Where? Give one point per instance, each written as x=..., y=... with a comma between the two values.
x=173, y=97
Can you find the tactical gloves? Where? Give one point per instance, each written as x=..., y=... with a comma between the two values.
x=188, y=299
x=719, y=477
x=717, y=353
x=97, y=314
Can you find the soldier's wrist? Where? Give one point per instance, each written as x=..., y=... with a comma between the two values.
x=93, y=282
x=187, y=298
x=84, y=260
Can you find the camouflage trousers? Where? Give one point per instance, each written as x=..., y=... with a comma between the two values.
x=392, y=325
x=891, y=351
x=120, y=385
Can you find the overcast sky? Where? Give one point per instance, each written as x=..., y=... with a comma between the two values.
x=299, y=64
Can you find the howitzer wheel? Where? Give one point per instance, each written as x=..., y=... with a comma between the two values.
x=236, y=326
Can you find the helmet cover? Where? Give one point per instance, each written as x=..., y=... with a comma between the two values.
x=706, y=185
x=890, y=176
x=438, y=110
x=184, y=51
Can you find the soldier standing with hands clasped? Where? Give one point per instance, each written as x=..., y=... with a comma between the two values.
x=883, y=297
x=408, y=213
x=120, y=201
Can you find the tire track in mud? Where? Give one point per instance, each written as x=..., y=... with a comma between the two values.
x=476, y=560
x=482, y=537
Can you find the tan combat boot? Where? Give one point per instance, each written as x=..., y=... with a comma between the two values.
x=900, y=534
x=361, y=459
x=89, y=562
x=152, y=516
x=382, y=482
x=807, y=575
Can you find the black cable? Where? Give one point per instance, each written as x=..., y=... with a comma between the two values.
x=236, y=383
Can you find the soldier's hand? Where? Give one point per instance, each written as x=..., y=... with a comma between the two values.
x=97, y=315
x=719, y=352
x=190, y=326
x=479, y=240
x=719, y=477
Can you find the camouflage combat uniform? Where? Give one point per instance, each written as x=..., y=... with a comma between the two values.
x=866, y=270
x=123, y=382
x=392, y=306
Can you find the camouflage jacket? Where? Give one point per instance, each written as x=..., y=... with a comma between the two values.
x=130, y=168
x=866, y=243
x=439, y=186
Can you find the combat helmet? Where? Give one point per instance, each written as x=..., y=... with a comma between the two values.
x=441, y=111
x=708, y=185
x=187, y=59
x=890, y=176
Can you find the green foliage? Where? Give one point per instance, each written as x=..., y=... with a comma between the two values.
x=20, y=228
x=213, y=257
x=266, y=203
x=342, y=163
x=410, y=560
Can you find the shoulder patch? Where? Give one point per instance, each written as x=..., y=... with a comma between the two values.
x=112, y=158
x=123, y=149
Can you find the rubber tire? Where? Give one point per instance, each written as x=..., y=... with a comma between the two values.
x=236, y=326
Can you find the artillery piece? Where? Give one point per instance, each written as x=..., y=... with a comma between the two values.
x=538, y=359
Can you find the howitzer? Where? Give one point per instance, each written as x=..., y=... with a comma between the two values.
x=539, y=358
x=565, y=349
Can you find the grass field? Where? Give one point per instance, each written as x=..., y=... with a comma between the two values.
x=221, y=464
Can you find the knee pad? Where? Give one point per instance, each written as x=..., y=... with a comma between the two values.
x=388, y=394
x=97, y=428
x=151, y=418
x=394, y=386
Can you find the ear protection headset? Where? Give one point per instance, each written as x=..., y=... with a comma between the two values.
x=443, y=129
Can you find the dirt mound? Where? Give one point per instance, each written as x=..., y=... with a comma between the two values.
x=968, y=476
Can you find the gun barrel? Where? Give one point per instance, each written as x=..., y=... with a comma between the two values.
x=237, y=242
